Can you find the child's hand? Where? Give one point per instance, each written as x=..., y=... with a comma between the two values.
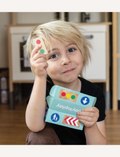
x=88, y=116
x=38, y=62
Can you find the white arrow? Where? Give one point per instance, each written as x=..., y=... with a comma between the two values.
x=72, y=121
x=76, y=122
x=68, y=120
x=85, y=101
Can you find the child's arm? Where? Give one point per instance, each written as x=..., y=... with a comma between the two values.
x=94, y=131
x=36, y=107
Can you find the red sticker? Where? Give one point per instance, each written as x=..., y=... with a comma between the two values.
x=38, y=41
x=63, y=93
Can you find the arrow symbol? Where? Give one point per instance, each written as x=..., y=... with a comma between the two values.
x=71, y=121
x=85, y=101
x=75, y=122
x=67, y=120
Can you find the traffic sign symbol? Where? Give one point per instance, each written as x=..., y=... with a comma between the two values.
x=71, y=121
x=85, y=100
x=55, y=117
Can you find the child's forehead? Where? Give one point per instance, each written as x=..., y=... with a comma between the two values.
x=55, y=42
x=58, y=45
x=61, y=41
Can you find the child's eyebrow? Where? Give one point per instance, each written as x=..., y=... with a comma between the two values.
x=52, y=50
x=70, y=44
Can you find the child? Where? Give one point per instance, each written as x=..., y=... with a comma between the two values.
x=68, y=54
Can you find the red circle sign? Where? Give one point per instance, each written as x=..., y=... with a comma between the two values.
x=63, y=93
x=38, y=41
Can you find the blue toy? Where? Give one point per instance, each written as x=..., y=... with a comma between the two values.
x=64, y=104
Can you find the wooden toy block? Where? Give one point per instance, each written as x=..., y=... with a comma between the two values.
x=37, y=41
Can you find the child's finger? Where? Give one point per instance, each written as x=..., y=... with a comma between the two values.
x=40, y=60
x=90, y=109
x=35, y=50
x=41, y=67
x=88, y=119
x=38, y=55
x=86, y=123
x=88, y=114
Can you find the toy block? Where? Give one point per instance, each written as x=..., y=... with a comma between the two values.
x=66, y=103
x=66, y=120
x=69, y=96
x=62, y=106
x=69, y=107
x=37, y=41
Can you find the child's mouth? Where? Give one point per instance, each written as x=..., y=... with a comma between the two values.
x=68, y=71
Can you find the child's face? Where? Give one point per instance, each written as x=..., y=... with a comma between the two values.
x=65, y=62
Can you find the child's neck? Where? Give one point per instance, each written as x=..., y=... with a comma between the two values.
x=76, y=85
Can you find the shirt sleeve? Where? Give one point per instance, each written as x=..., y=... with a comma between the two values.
x=100, y=104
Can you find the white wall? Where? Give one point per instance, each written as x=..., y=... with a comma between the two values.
x=35, y=17
x=5, y=19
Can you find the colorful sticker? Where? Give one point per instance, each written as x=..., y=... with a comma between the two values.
x=55, y=117
x=72, y=121
x=68, y=95
x=85, y=100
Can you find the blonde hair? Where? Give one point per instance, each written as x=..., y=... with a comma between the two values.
x=64, y=32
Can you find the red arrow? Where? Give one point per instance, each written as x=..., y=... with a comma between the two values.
x=74, y=121
x=71, y=120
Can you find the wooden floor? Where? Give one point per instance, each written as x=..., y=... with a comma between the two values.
x=13, y=130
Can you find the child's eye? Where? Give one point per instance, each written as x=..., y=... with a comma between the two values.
x=53, y=56
x=71, y=49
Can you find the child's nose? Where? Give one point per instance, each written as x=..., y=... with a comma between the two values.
x=65, y=60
